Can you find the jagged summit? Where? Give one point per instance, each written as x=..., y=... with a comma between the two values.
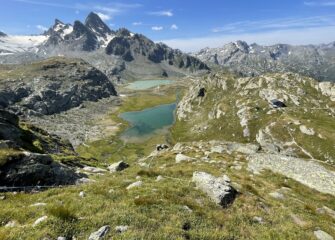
x=96, y=25
x=113, y=52
x=57, y=21
x=2, y=34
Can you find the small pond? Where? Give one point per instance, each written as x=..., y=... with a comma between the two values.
x=149, y=121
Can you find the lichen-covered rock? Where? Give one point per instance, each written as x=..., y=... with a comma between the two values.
x=32, y=169
x=218, y=189
x=135, y=184
x=119, y=166
x=100, y=234
x=319, y=177
x=182, y=158
x=322, y=235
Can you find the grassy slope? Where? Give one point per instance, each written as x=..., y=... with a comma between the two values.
x=155, y=210
x=228, y=127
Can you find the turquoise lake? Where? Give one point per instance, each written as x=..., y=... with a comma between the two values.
x=149, y=121
x=146, y=84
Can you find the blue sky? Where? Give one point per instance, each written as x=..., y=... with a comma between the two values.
x=186, y=24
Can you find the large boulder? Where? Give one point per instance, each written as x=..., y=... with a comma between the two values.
x=218, y=189
x=32, y=169
x=117, y=167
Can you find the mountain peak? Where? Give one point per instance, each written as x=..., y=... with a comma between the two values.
x=3, y=34
x=96, y=25
x=57, y=22
x=124, y=32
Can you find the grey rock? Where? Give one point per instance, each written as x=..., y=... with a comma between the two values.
x=134, y=185
x=297, y=220
x=121, y=229
x=93, y=169
x=100, y=234
x=307, y=131
x=36, y=170
x=40, y=220
x=319, y=178
x=326, y=210
x=258, y=220
x=159, y=178
x=119, y=166
x=183, y=158
x=218, y=189
x=321, y=235
x=11, y=224
x=38, y=205
x=277, y=195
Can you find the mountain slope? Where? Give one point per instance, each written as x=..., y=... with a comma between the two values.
x=52, y=86
x=224, y=107
x=25, y=155
x=249, y=60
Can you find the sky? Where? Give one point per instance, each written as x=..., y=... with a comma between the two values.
x=189, y=25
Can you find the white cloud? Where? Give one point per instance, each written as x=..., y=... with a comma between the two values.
x=167, y=13
x=276, y=24
x=137, y=23
x=42, y=28
x=110, y=9
x=320, y=4
x=290, y=36
x=174, y=27
x=104, y=17
x=157, y=28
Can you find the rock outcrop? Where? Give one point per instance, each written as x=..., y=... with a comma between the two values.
x=53, y=86
x=31, y=169
x=307, y=172
x=100, y=234
x=25, y=159
x=218, y=189
x=117, y=167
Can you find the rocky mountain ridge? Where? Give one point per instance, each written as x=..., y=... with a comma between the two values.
x=119, y=54
x=52, y=86
x=316, y=61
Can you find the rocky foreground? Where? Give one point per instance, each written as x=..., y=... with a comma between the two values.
x=26, y=159
x=202, y=190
